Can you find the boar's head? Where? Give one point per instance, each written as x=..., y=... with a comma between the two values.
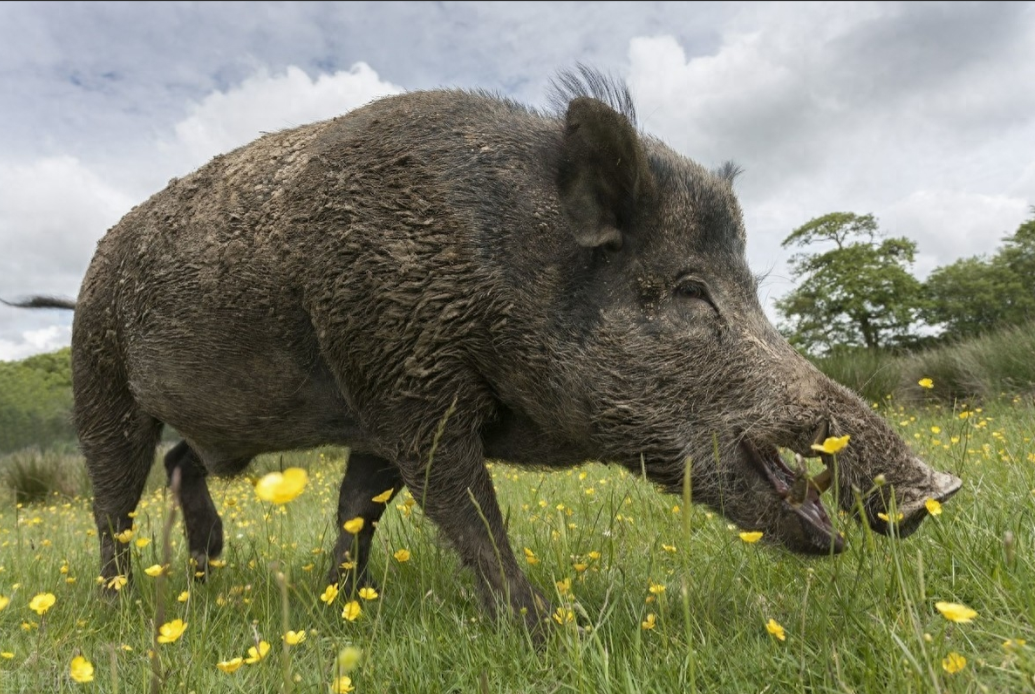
x=664, y=354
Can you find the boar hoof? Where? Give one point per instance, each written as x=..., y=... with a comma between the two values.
x=199, y=566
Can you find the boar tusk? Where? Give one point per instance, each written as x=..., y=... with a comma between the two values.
x=822, y=432
x=822, y=481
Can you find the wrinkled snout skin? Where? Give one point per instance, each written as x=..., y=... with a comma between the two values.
x=447, y=272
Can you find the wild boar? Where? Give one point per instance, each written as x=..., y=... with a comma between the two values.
x=453, y=270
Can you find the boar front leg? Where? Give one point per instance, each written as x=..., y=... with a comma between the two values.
x=457, y=494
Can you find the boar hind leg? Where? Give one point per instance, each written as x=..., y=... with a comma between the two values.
x=200, y=518
x=366, y=477
x=118, y=441
x=458, y=495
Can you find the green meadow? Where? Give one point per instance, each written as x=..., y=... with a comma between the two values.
x=650, y=595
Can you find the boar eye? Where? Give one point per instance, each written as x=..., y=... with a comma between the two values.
x=690, y=289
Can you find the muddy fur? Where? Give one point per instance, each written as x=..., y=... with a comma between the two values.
x=561, y=286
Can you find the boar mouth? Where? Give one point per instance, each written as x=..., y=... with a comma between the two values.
x=799, y=496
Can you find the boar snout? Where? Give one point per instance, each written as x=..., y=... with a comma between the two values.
x=907, y=502
x=878, y=468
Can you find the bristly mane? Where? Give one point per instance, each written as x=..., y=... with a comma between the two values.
x=587, y=81
x=729, y=171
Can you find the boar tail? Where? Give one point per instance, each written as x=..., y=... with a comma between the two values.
x=42, y=302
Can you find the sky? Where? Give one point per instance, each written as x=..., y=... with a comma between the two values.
x=922, y=114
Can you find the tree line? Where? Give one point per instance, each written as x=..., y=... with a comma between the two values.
x=36, y=401
x=858, y=291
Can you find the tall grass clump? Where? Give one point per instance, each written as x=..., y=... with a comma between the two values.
x=1000, y=363
x=978, y=369
x=872, y=374
x=33, y=475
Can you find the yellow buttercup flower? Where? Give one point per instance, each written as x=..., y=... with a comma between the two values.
x=142, y=542
x=353, y=526
x=330, y=593
x=383, y=497
x=81, y=670
x=280, y=488
x=4, y=602
x=530, y=556
x=776, y=630
x=368, y=593
x=257, y=654
x=402, y=555
x=125, y=536
x=293, y=638
x=656, y=588
x=563, y=615
x=229, y=666
x=155, y=570
x=832, y=445
x=650, y=622
x=171, y=631
x=955, y=612
x=925, y=383
x=352, y=611
x=887, y=519
x=751, y=537
x=671, y=549
x=342, y=685
x=933, y=507
x=184, y=596
x=42, y=602
x=953, y=663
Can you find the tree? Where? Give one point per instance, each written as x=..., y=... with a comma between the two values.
x=975, y=295
x=858, y=293
x=1018, y=257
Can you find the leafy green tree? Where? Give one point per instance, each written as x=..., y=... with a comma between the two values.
x=860, y=292
x=1018, y=256
x=976, y=295
x=973, y=296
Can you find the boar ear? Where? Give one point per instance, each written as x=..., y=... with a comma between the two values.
x=603, y=173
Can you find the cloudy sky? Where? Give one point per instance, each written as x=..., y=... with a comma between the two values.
x=922, y=114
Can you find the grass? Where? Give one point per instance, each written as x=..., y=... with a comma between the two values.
x=864, y=621
x=980, y=368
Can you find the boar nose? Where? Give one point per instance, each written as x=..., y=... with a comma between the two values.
x=939, y=486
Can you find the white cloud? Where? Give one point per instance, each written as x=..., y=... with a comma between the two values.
x=53, y=210
x=911, y=114
x=951, y=224
x=35, y=341
x=266, y=103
